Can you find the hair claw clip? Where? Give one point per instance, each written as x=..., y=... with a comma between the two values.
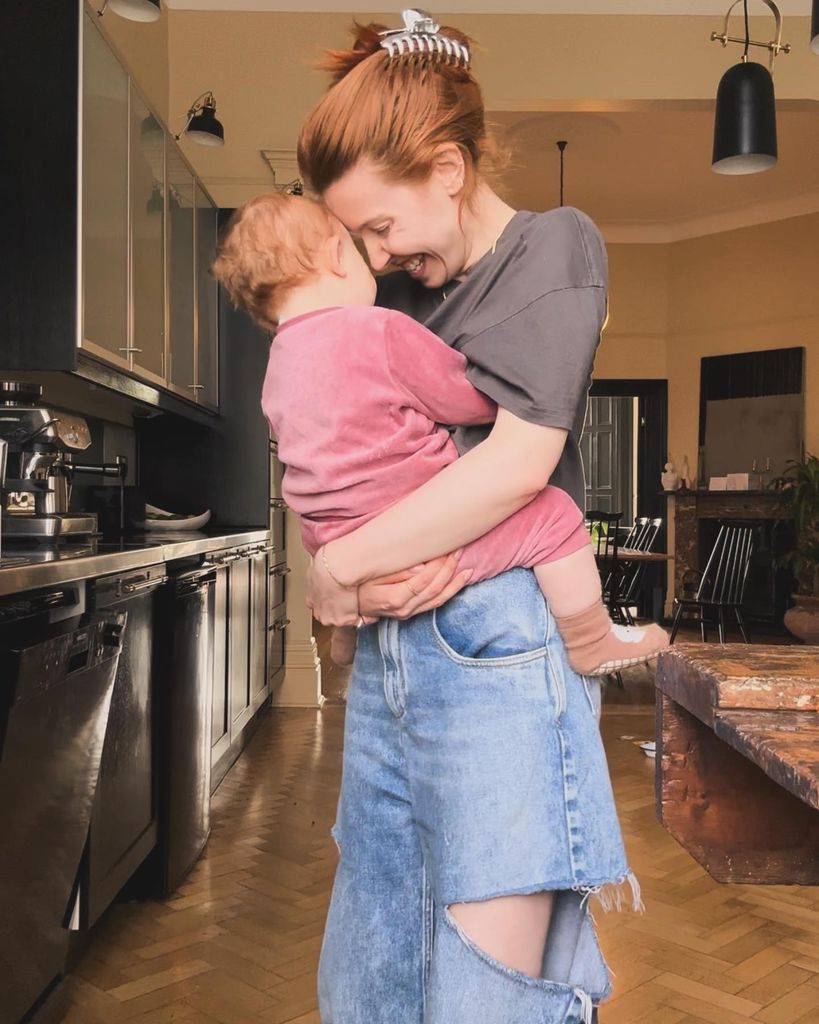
x=421, y=35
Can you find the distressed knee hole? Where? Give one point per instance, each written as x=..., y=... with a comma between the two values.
x=510, y=929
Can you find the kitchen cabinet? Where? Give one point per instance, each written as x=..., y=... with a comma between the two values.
x=220, y=725
x=101, y=246
x=181, y=303
x=239, y=644
x=206, y=378
x=241, y=676
x=258, y=683
x=105, y=216
x=147, y=243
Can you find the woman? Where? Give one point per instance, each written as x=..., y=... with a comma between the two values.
x=476, y=814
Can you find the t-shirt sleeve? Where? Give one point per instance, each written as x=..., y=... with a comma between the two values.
x=432, y=376
x=532, y=345
x=537, y=363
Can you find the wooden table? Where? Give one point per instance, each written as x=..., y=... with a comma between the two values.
x=630, y=555
x=737, y=770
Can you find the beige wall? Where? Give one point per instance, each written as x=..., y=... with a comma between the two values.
x=143, y=49
x=634, y=341
x=737, y=292
x=260, y=68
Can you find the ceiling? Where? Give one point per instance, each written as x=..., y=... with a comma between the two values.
x=701, y=7
x=645, y=172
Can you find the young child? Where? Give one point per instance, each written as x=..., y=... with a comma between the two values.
x=356, y=397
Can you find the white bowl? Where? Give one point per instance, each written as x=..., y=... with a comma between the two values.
x=171, y=525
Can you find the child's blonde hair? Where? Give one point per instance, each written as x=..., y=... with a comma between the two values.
x=269, y=246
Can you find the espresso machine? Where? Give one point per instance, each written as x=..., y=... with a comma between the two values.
x=41, y=442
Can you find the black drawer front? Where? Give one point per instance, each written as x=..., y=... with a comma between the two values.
x=277, y=523
x=277, y=586
x=275, y=645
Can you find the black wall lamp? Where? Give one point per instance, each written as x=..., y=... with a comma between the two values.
x=745, y=120
x=133, y=10
x=814, y=27
x=201, y=125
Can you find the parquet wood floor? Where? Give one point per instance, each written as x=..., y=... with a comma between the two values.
x=239, y=943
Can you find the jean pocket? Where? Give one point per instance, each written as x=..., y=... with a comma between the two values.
x=473, y=644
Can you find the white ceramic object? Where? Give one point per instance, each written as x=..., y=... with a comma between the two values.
x=169, y=525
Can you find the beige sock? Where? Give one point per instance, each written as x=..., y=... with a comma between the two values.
x=584, y=630
x=595, y=645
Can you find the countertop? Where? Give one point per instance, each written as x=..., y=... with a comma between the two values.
x=45, y=565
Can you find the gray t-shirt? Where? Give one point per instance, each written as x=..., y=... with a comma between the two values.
x=528, y=318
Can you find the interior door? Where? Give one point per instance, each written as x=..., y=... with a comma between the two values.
x=607, y=450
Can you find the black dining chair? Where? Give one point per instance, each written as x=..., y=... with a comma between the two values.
x=604, y=529
x=642, y=537
x=722, y=584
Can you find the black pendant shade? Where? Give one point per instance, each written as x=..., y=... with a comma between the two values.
x=814, y=27
x=745, y=122
x=136, y=10
x=205, y=129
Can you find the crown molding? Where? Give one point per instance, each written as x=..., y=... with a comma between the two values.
x=634, y=233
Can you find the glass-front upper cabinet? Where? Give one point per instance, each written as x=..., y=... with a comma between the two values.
x=207, y=303
x=182, y=375
x=104, y=199
x=147, y=240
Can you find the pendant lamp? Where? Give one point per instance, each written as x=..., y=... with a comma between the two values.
x=745, y=121
x=561, y=145
x=133, y=10
x=745, y=118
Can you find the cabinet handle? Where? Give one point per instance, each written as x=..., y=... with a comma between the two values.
x=197, y=387
x=279, y=626
x=128, y=349
x=278, y=503
x=281, y=572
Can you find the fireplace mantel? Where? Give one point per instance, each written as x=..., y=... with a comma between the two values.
x=691, y=507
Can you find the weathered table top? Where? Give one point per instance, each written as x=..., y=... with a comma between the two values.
x=762, y=700
x=708, y=679
x=785, y=745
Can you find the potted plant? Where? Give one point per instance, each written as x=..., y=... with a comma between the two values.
x=800, y=496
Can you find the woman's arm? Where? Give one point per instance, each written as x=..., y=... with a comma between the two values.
x=461, y=503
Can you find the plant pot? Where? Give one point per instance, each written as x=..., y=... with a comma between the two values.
x=803, y=619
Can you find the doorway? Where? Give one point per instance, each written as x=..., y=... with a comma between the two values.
x=608, y=451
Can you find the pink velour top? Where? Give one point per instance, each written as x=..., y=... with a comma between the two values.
x=355, y=396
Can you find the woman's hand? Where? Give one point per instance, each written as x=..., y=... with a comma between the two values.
x=400, y=595
x=412, y=591
x=331, y=603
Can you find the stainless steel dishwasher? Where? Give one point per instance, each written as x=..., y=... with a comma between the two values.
x=184, y=692
x=124, y=820
x=56, y=682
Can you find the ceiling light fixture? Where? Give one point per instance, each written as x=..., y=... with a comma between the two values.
x=201, y=125
x=133, y=10
x=561, y=145
x=745, y=118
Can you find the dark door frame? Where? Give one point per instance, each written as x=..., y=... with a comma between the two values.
x=651, y=439
x=652, y=450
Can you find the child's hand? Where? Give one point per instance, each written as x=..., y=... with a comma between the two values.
x=343, y=644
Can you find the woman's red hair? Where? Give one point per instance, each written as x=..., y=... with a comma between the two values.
x=395, y=112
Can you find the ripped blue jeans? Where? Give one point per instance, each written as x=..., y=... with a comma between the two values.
x=473, y=768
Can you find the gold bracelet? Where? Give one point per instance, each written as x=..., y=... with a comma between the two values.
x=330, y=573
